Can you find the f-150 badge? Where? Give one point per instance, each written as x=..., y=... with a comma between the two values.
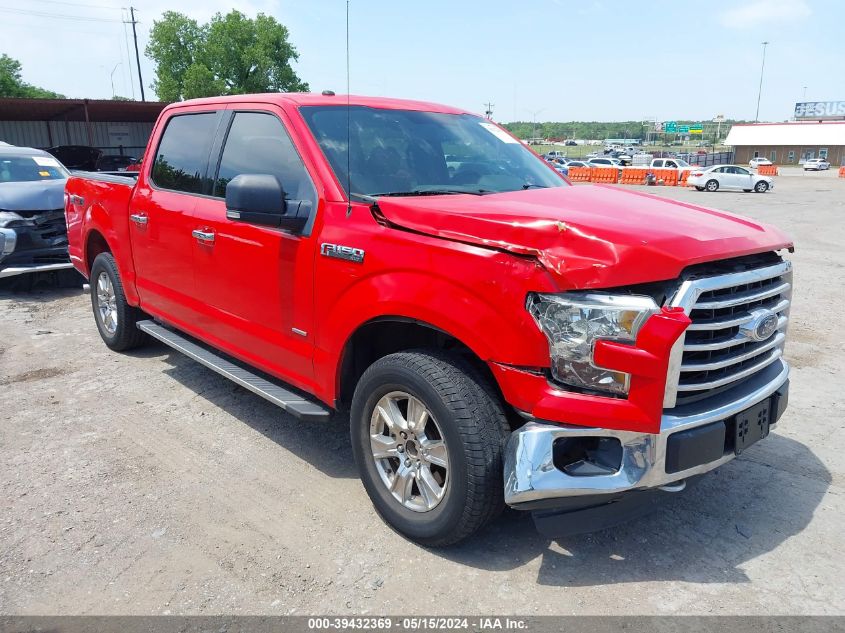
x=342, y=252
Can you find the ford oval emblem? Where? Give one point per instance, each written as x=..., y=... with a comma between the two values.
x=766, y=327
x=762, y=325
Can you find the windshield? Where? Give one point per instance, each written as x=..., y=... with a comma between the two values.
x=30, y=168
x=682, y=163
x=409, y=152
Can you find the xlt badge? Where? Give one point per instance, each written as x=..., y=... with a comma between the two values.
x=342, y=252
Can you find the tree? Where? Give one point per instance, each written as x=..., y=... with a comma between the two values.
x=11, y=84
x=231, y=54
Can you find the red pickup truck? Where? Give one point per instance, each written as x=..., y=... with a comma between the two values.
x=497, y=335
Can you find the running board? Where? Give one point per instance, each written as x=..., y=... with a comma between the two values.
x=291, y=402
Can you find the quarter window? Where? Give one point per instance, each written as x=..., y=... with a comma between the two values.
x=258, y=143
x=182, y=156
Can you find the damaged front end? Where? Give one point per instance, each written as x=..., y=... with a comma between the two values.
x=32, y=242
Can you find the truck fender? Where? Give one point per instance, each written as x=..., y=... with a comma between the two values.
x=434, y=301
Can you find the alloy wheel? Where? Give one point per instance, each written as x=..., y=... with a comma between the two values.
x=106, y=303
x=409, y=451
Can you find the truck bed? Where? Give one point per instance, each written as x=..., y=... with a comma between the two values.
x=102, y=200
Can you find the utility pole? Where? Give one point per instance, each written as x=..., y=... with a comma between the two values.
x=488, y=112
x=111, y=76
x=760, y=89
x=137, y=55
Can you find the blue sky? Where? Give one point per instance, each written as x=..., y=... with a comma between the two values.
x=580, y=60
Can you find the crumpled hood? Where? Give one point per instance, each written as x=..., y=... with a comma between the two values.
x=38, y=195
x=589, y=236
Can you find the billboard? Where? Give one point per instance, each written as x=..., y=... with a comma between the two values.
x=817, y=110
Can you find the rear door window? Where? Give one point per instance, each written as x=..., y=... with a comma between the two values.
x=182, y=156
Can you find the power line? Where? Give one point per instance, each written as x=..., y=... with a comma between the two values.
x=79, y=4
x=58, y=16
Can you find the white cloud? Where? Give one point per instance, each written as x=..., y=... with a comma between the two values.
x=755, y=12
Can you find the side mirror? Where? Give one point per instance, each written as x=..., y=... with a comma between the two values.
x=260, y=199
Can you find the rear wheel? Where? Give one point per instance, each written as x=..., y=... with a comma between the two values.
x=116, y=319
x=699, y=188
x=761, y=187
x=712, y=185
x=747, y=190
x=428, y=434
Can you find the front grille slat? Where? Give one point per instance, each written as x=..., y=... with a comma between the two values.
x=719, y=348
x=742, y=299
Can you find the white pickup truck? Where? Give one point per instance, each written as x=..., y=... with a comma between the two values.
x=671, y=163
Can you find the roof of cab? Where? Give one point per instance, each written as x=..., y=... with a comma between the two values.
x=313, y=99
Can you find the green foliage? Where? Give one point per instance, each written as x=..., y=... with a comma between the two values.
x=231, y=54
x=11, y=84
x=598, y=129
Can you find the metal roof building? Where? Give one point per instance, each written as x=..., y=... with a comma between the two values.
x=789, y=143
x=117, y=127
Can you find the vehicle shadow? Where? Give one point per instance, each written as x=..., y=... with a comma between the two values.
x=734, y=514
x=324, y=445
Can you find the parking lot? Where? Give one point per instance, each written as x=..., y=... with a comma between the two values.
x=146, y=484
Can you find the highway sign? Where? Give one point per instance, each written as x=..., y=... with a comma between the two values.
x=695, y=128
x=670, y=127
x=683, y=129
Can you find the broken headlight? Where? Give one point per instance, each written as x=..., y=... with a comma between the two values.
x=574, y=321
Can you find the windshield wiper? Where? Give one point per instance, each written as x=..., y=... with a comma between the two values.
x=431, y=192
x=529, y=185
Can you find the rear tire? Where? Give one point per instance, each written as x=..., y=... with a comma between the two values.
x=116, y=319
x=761, y=187
x=712, y=185
x=697, y=188
x=747, y=190
x=459, y=445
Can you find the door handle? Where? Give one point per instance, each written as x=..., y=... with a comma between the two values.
x=139, y=218
x=203, y=236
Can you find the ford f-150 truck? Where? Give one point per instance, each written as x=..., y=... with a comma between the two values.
x=497, y=335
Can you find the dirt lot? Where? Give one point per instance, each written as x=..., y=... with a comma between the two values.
x=146, y=484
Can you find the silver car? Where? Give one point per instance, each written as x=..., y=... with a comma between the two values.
x=729, y=177
x=816, y=164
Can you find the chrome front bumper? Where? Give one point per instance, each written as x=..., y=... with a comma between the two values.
x=531, y=476
x=11, y=271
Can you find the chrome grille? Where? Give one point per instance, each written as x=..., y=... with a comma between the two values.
x=721, y=347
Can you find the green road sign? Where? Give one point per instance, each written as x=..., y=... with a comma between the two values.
x=695, y=128
x=683, y=129
x=670, y=127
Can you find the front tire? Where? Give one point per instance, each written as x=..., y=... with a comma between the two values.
x=761, y=187
x=712, y=185
x=116, y=319
x=428, y=434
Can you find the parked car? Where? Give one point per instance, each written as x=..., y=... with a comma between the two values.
x=77, y=157
x=498, y=335
x=555, y=154
x=671, y=163
x=605, y=161
x=816, y=164
x=729, y=177
x=570, y=143
x=577, y=163
x=33, y=234
x=114, y=162
x=755, y=162
x=135, y=165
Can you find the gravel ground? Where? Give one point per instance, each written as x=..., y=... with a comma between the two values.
x=146, y=484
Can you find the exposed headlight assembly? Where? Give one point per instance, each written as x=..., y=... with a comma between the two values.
x=574, y=321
